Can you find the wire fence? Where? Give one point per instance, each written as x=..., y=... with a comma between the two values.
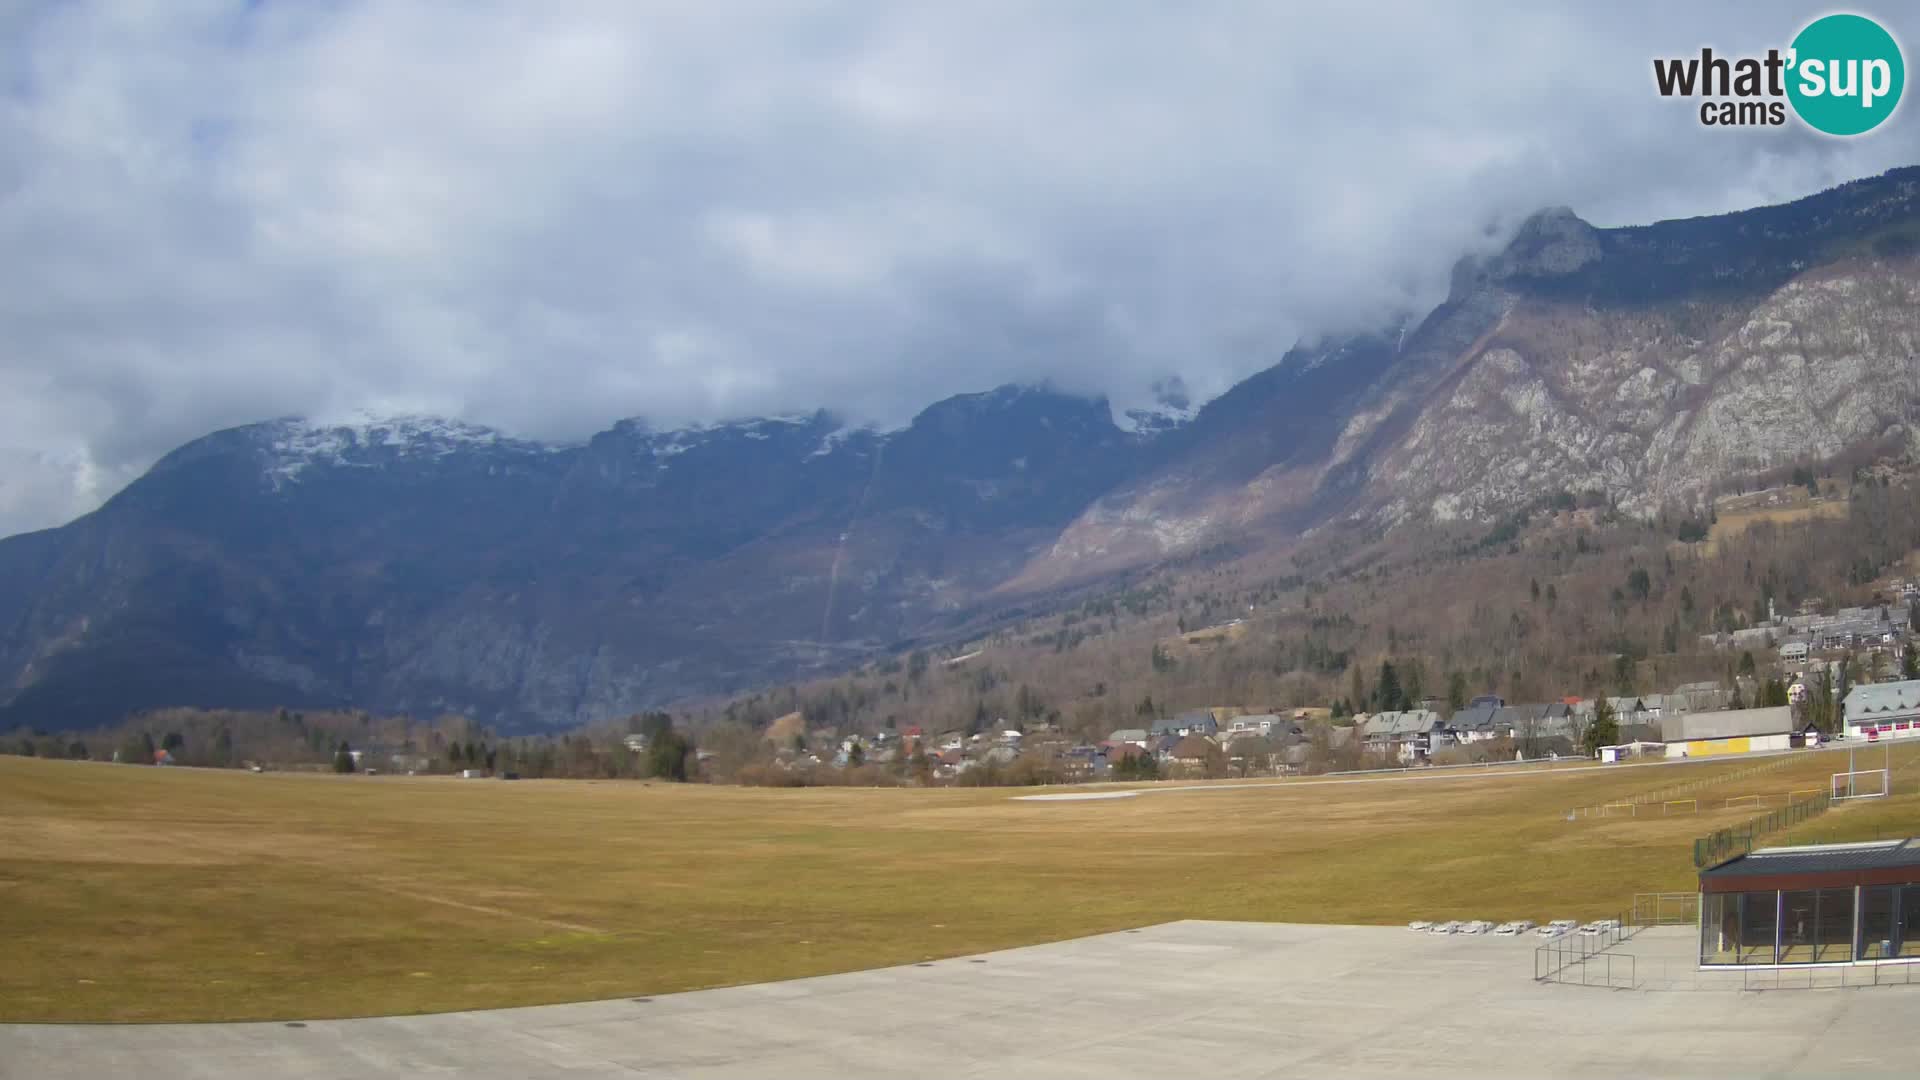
x=1685, y=974
x=1666, y=909
x=1722, y=844
x=1810, y=977
x=1566, y=957
x=1584, y=957
x=1632, y=805
x=1609, y=969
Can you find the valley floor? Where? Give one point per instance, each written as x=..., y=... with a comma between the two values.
x=151, y=894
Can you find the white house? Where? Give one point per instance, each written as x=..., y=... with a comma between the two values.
x=1257, y=724
x=1411, y=734
x=1883, y=710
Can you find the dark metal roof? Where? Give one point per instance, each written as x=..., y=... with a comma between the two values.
x=1821, y=859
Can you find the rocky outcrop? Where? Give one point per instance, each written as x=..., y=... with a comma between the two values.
x=1627, y=402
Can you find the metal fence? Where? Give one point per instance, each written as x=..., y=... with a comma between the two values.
x=1666, y=909
x=1668, y=973
x=1568, y=965
x=1576, y=957
x=1586, y=959
x=1722, y=844
x=1817, y=978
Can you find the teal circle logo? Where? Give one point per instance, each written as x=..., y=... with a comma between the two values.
x=1846, y=74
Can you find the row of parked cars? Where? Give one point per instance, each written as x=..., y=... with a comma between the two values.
x=1516, y=928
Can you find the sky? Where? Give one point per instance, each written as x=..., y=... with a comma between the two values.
x=547, y=217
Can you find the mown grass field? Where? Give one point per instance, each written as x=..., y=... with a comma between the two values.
x=172, y=894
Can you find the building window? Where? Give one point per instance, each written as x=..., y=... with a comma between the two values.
x=1907, y=918
x=1878, y=921
x=1759, y=919
x=1833, y=927
x=1798, y=918
x=1720, y=928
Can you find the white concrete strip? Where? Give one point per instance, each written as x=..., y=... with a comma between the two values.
x=1184, y=999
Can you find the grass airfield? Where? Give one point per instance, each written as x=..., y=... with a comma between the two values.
x=145, y=894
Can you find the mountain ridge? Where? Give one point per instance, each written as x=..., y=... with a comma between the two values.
x=423, y=564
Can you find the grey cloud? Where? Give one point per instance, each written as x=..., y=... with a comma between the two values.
x=549, y=216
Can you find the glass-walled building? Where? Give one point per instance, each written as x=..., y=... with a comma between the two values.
x=1828, y=904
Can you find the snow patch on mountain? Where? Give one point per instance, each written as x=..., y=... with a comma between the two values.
x=1169, y=406
x=1152, y=421
x=365, y=440
x=835, y=439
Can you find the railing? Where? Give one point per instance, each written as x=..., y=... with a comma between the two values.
x=1587, y=959
x=1665, y=909
x=1812, y=977
x=1573, y=951
x=1735, y=840
x=1584, y=963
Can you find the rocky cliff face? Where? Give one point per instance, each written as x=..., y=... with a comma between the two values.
x=425, y=565
x=1632, y=403
x=1798, y=345
x=1645, y=362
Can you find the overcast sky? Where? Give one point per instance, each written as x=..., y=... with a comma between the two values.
x=547, y=216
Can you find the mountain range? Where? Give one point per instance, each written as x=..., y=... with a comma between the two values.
x=425, y=565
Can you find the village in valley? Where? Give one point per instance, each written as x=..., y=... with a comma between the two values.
x=1847, y=675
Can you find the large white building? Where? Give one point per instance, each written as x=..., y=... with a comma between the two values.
x=1883, y=710
x=1727, y=731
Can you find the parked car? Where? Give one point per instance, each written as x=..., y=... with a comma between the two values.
x=1449, y=927
x=1558, y=927
x=1477, y=926
x=1600, y=926
x=1419, y=926
x=1517, y=926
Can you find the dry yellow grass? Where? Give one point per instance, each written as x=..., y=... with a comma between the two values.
x=1208, y=636
x=157, y=894
x=1732, y=523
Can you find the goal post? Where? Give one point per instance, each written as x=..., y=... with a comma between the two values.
x=1680, y=806
x=1800, y=794
x=1743, y=800
x=1860, y=784
x=1608, y=809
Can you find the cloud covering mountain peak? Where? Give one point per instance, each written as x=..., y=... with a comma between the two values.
x=540, y=218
